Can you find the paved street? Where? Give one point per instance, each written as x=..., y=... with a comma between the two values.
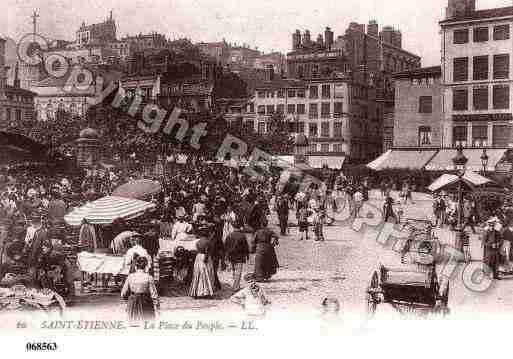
x=340, y=267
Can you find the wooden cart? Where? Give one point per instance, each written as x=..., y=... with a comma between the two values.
x=413, y=285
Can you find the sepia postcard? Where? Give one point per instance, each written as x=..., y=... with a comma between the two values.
x=256, y=178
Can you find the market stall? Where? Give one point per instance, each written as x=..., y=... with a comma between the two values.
x=108, y=262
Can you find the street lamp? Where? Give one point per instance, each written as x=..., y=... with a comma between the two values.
x=484, y=161
x=460, y=162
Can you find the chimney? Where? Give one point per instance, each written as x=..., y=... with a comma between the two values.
x=306, y=38
x=373, y=28
x=16, y=76
x=387, y=34
x=320, y=41
x=460, y=8
x=328, y=38
x=269, y=73
x=296, y=40
x=397, y=39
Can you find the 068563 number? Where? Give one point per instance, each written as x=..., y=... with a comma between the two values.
x=41, y=346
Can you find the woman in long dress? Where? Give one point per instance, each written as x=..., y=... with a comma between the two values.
x=140, y=291
x=266, y=262
x=203, y=276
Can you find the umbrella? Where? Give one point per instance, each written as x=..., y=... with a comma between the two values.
x=470, y=178
x=138, y=189
x=105, y=210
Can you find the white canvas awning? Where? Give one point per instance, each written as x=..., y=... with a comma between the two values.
x=443, y=159
x=402, y=159
x=469, y=177
x=105, y=210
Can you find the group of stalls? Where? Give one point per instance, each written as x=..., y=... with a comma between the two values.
x=131, y=205
x=435, y=168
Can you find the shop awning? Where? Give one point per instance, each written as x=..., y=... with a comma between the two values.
x=443, y=160
x=402, y=159
x=470, y=178
x=333, y=162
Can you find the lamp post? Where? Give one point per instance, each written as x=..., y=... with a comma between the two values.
x=484, y=161
x=460, y=162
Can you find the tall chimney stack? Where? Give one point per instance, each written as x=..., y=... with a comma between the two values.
x=296, y=40
x=328, y=38
x=373, y=28
x=320, y=41
x=269, y=73
x=306, y=38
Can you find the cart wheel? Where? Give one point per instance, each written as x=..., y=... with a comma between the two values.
x=372, y=298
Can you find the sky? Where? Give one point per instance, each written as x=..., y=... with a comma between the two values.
x=266, y=24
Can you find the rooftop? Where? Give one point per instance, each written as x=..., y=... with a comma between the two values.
x=482, y=14
x=422, y=72
x=281, y=83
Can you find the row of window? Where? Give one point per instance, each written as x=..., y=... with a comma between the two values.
x=481, y=34
x=500, y=95
x=479, y=136
x=313, y=90
x=300, y=109
x=19, y=98
x=480, y=65
x=299, y=127
x=281, y=93
x=12, y=114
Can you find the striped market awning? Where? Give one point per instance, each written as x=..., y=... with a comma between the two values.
x=105, y=210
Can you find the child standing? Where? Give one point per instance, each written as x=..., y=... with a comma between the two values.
x=318, y=222
x=302, y=221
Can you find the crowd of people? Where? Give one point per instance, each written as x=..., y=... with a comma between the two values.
x=226, y=210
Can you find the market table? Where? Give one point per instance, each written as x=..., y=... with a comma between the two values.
x=98, y=263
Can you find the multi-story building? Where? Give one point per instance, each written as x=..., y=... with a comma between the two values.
x=97, y=34
x=128, y=45
x=477, y=75
x=469, y=105
x=367, y=57
x=57, y=94
x=163, y=80
x=15, y=103
x=325, y=110
x=418, y=108
x=220, y=51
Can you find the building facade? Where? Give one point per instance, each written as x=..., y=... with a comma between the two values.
x=319, y=109
x=418, y=108
x=366, y=58
x=15, y=103
x=97, y=34
x=477, y=75
x=54, y=94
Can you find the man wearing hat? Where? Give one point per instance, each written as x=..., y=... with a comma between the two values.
x=36, y=246
x=492, y=242
x=237, y=253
